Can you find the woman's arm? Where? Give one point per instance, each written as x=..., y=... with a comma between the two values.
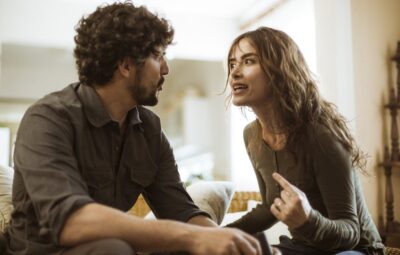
x=334, y=175
x=258, y=219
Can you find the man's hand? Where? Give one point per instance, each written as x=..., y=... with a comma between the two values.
x=276, y=251
x=224, y=241
x=292, y=207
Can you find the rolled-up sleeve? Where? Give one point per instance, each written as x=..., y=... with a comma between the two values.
x=47, y=168
x=167, y=196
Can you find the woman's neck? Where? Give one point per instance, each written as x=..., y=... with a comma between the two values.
x=272, y=131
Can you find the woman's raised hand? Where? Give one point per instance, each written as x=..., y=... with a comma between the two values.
x=292, y=207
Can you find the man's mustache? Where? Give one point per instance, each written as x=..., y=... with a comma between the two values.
x=161, y=81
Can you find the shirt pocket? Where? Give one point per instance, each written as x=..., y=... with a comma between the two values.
x=100, y=182
x=143, y=177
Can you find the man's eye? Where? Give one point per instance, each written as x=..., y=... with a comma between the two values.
x=158, y=55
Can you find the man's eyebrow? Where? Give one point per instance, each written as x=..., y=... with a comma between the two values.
x=246, y=55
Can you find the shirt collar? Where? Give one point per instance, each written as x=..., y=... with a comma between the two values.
x=95, y=110
x=134, y=116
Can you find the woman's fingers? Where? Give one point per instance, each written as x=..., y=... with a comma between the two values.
x=279, y=203
x=284, y=183
x=285, y=196
x=275, y=211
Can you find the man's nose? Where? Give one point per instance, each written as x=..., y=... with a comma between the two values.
x=164, y=67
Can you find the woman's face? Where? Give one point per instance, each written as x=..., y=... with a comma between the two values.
x=248, y=82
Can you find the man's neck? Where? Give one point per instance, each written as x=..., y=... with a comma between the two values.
x=117, y=102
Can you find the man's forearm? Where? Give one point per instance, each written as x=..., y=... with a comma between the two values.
x=202, y=220
x=95, y=221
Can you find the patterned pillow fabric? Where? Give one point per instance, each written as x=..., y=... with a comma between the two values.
x=6, y=179
x=213, y=197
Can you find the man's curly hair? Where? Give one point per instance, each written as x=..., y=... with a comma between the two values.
x=114, y=32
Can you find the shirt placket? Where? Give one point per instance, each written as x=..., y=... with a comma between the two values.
x=116, y=147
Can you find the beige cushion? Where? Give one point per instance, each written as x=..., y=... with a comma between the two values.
x=213, y=197
x=6, y=179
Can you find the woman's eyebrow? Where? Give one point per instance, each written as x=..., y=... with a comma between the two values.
x=246, y=55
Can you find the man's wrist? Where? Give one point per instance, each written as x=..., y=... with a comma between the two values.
x=188, y=237
x=202, y=220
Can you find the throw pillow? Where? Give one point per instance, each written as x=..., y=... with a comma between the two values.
x=6, y=179
x=213, y=197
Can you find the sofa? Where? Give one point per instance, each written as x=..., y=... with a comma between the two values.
x=217, y=198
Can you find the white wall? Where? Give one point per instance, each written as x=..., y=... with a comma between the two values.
x=296, y=18
x=376, y=30
x=334, y=54
x=31, y=72
x=198, y=85
x=209, y=37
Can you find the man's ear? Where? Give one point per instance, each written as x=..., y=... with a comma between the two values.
x=126, y=67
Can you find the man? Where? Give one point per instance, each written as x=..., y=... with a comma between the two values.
x=84, y=154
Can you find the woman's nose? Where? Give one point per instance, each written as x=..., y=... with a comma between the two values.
x=236, y=72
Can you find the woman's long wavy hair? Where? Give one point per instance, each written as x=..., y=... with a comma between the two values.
x=295, y=98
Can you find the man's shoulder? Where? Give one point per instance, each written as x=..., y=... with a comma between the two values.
x=64, y=98
x=58, y=103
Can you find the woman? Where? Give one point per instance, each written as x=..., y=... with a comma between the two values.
x=301, y=150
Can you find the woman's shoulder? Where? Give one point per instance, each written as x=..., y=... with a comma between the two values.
x=323, y=140
x=321, y=134
x=251, y=130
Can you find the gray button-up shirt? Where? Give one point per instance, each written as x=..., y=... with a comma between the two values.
x=69, y=152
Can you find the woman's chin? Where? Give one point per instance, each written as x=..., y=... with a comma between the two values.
x=238, y=103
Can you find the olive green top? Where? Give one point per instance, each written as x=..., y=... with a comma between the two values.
x=339, y=219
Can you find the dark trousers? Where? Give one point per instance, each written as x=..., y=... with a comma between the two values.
x=102, y=247
x=286, y=251
x=288, y=246
x=266, y=249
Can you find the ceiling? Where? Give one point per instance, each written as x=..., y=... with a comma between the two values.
x=213, y=8
x=203, y=28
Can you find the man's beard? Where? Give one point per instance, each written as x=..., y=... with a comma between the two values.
x=145, y=95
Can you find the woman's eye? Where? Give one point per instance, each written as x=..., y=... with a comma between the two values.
x=232, y=65
x=249, y=61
